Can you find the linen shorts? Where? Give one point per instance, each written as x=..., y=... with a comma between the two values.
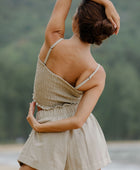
x=79, y=149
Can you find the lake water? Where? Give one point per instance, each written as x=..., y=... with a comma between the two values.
x=125, y=156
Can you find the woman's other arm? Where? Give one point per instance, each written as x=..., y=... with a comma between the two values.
x=92, y=91
x=111, y=13
x=56, y=26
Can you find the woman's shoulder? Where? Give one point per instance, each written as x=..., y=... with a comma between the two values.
x=93, y=72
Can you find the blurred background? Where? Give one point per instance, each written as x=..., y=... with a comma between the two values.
x=22, y=30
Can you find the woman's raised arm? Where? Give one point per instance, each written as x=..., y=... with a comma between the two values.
x=56, y=25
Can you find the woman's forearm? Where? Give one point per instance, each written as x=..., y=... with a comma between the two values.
x=103, y=2
x=56, y=126
x=84, y=109
x=51, y=126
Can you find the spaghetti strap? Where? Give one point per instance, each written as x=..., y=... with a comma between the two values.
x=51, y=50
x=92, y=74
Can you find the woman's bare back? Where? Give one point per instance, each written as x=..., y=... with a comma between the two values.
x=69, y=60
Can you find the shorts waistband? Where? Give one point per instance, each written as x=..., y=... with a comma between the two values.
x=57, y=113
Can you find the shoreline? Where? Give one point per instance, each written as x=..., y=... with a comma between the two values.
x=19, y=145
x=16, y=148
x=124, y=142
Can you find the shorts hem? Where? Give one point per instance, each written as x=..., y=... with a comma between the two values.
x=24, y=160
x=32, y=164
x=101, y=164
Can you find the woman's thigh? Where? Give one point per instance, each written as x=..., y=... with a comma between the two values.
x=26, y=167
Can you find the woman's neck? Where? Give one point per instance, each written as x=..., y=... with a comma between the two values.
x=77, y=40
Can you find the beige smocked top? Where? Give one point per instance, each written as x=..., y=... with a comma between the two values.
x=50, y=90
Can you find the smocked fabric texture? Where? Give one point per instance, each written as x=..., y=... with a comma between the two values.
x=52, y=91
x=79, y=149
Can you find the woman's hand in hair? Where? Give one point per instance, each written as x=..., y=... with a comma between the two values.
x=112, y=15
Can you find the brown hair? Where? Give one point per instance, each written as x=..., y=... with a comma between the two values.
x=93, y=24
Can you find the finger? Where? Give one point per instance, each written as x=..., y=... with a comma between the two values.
x=32, y=107
x=117, y=21
x=113, y=22
x=33, y=103
x=30, y=110
x=118, y=28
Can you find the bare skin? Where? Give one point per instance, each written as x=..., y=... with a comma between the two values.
x=78, y=64
x=26, y=167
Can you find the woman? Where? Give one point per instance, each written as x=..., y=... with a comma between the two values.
x=67, y=86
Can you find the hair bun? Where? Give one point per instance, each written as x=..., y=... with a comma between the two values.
x=102, y=30
x=104, y=26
